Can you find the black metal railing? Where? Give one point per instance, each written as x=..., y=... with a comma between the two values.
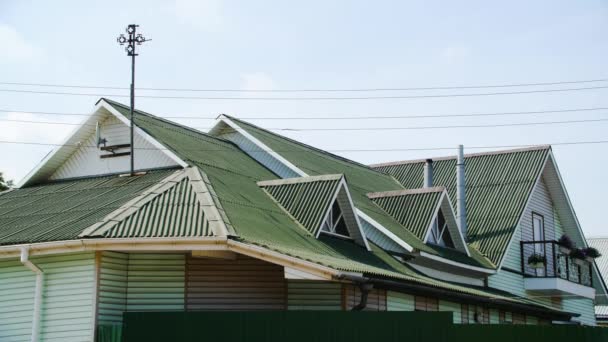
x=558, y=264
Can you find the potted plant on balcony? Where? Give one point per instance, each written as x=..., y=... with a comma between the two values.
x=578, y=256
x=591, y=253
x=537, y=261
x=565, y=244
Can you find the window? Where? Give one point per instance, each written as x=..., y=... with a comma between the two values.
x=426, y=304
x=464, y=314
x=504, y=317
x=538, y=234
x=335, y=223
x=440, y=234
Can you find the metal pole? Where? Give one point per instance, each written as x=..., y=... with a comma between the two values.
x=132, y=113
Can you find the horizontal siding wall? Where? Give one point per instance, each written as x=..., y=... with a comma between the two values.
x=112, y=288
x=156, y=282
x=584, y=307
x=241, y=284
x=376, y=299
x=17, y=285
x=375, y=236
x=69, y=297
x=314, y=295
x=397, y=301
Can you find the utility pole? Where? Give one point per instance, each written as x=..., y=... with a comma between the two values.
x=133, y=40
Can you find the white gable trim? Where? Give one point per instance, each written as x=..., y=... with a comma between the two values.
x=258, y=143
x=384, y=231
x=454, y=223
x=343, y=187
x=145, y=135
x=70, y=144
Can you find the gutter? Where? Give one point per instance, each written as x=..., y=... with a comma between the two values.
x=425, y=290
x=37, y=294
x=365, y=289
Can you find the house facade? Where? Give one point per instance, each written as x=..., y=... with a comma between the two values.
x=240, y=218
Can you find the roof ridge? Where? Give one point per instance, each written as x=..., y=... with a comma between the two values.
x=404, y=192
x=344, y=159
x=298, y=180
x=468, y=155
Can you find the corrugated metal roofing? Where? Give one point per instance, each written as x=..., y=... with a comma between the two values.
x=306, y=200
x=62, y=210
x=413, y=210
x=174, y=213
x=361, y=181
x=497, y=188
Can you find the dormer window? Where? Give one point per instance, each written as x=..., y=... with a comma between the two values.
x=335, y=222
x=440, y=235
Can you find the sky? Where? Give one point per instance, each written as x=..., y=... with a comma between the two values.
x=282, y=45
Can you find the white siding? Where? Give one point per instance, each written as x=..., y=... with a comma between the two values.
x=69, y=297
x=256, y=153
x=375, y=236
x=314, y=295
x=584, y=307
x=86, y=160
x=156, y=282
x=113, y=277
x=17, y=284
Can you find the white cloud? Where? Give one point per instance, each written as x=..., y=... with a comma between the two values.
x=201, y=14
x=454, y=54
x=15, y=48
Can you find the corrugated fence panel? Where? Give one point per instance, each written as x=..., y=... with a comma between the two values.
x=241, y=284
x=155, y=282
x=112, y=288
x=399, y=301
x=17, y=285
x=314, y=295
x=376, y=299
x=69, y=297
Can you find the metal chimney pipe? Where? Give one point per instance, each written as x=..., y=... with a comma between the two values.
x=461, y=192
x=428, y=173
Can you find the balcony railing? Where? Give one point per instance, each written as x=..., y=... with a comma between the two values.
x=559, y=264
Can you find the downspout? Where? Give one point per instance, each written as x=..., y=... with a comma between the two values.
x=365, y=289
x=37, y=294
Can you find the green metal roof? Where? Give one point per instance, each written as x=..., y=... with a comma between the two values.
x=413, y=209
x=307, y=199
x=498, y=185
x=361, y=181
x=61, y=210
x=176, y=212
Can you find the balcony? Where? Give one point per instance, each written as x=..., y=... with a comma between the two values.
x=561, y=274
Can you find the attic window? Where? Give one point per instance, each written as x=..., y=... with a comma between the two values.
x=440, y=234
x=335, y=223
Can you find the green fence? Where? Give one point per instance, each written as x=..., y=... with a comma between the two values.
x=335, y=326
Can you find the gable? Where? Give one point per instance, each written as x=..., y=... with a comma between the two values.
x=498, y=186
x=80, y=156
x=90, y=160
x=420, y=210
x=318, y=203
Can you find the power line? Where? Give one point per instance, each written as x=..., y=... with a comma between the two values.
x=507, y=85
x=338, y=117
x=387, y=97
x=571, y=143
x=293, y=129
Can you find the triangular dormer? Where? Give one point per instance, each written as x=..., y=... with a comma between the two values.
x=320, y=204
x=101, y=146
x=426, y=213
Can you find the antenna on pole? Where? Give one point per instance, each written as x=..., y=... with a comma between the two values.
x=133, y=39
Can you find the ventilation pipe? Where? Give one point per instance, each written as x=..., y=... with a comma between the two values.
x=428, y=173
x=365, y=289
x=461, y=192
x=37, y=292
